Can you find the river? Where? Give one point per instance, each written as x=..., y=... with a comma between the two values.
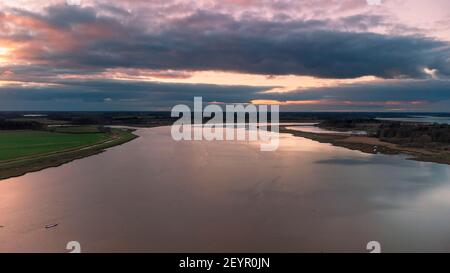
x=158, y=195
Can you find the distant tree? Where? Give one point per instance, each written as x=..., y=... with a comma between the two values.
x=412, y=133
x=20, y=125
x=85, y=121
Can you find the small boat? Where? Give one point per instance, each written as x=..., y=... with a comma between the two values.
x=51, y=226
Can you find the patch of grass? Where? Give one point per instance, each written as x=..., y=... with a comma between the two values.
x=76, y=129
x=18, y=144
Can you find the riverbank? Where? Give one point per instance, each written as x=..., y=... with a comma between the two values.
x=373, y=145
x=20, y=165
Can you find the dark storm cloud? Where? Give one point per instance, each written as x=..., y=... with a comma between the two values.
x=126, y=91
x=415, y=90
x=209, y=41
x=126, y=95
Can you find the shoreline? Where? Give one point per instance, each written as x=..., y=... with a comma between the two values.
x=367, y=144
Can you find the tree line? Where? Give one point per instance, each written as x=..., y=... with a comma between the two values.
x=20, y=125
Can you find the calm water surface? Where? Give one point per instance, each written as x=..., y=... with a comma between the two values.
x=157, y=195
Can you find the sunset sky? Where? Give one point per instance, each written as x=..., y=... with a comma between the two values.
x=306, y=55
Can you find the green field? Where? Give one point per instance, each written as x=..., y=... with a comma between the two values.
x=18, y=144
x=75, y=129
x=28, y=151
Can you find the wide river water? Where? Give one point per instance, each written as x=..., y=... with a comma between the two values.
x=157, y=195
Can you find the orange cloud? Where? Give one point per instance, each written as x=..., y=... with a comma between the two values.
x=289, y=102
x=39, y=37
x=337, y=102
